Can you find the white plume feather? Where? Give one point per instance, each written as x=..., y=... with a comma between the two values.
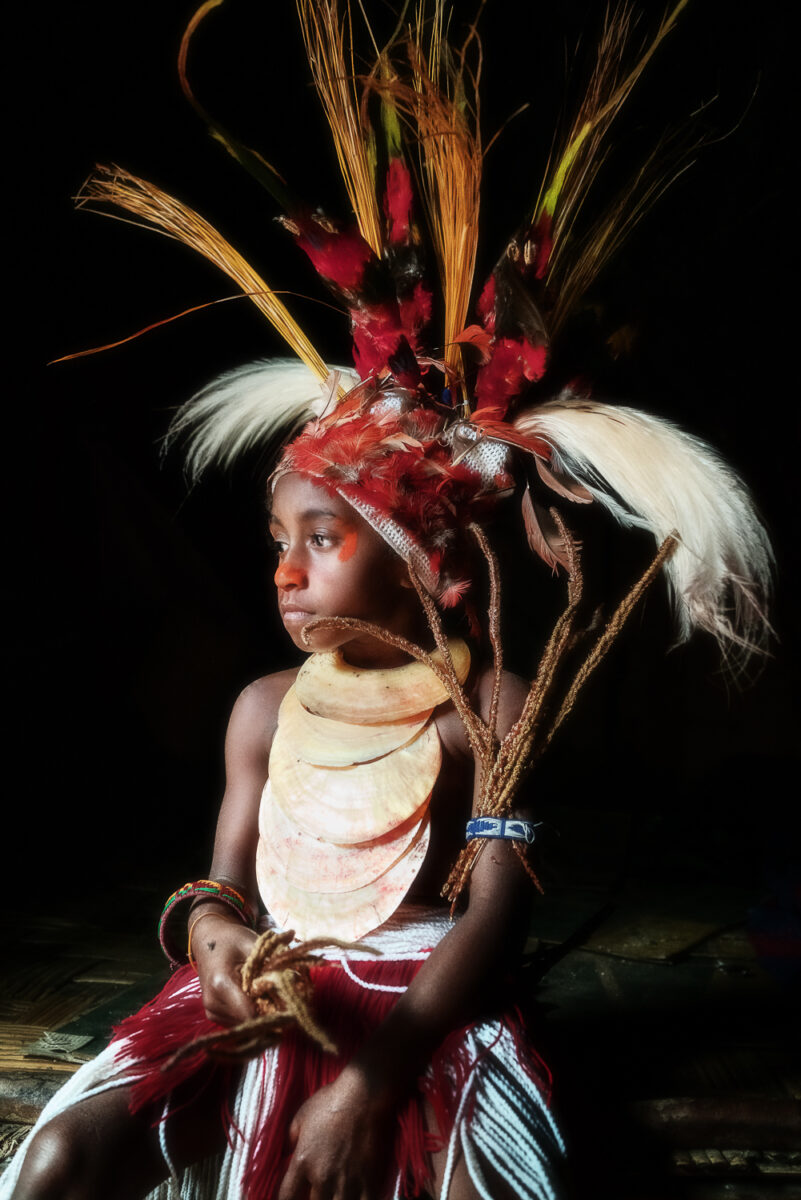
x=247, y=408
x=651, y=474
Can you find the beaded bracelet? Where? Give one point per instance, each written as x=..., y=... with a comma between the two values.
x=205, y=889
x=511, y=828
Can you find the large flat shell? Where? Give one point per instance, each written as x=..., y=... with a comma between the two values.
x=330, y=687
x=347, y=915
x=326, y=743
x=359, y=803
x=314, y=865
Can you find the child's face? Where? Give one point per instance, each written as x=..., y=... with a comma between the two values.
x=331, y=563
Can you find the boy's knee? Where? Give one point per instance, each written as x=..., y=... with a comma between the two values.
x=53, y=1164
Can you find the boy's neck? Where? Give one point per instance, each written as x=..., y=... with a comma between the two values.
x=370, y=654
x=374, y=656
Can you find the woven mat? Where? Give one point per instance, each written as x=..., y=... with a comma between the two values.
x=11, y=1134
x=13, y=1040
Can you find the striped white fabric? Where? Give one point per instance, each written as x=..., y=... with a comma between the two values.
x=502, y=1121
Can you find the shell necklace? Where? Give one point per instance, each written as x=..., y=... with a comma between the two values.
x=344, y=819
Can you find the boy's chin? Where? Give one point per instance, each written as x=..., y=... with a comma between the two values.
x=318, y=641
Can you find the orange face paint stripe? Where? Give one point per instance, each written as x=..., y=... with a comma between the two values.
x=349, y=543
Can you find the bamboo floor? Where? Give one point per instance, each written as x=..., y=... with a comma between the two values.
x=674, y=1051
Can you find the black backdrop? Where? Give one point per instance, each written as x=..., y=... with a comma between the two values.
x=138, y=613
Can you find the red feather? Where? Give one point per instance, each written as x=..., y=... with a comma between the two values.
x=398, y=199
x=544, y=246
x=422, y=423
x=486, y=304
x=514, y=363
x=453, y=592
x=415, y=311
x=474, y=335
x=340, y=255
x=563, y=485
x=377, y=334
x=551, y=549
x=504, y=432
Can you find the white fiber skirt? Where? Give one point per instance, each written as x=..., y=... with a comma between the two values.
x=488, y=1087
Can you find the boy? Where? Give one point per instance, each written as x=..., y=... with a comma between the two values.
x=398, y=472
x=341, y=1136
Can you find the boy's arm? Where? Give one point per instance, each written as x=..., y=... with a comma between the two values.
x=220, y=942
x=341, y=1132
x=465, y=972
x=463, y=975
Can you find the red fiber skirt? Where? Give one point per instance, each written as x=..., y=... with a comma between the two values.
x=294, y=1070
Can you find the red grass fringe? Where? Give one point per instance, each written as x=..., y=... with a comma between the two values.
x=349, y=1013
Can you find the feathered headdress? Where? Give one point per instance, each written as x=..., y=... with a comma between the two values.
x=447, y=411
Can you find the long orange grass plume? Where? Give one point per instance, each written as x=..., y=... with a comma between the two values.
x=450, y=147
x=438, y=105
x=327, y=36
x=155, y=209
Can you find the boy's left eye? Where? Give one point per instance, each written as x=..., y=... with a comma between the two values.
x=322, y=539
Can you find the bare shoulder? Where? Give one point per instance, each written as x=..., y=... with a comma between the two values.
x=514, y=690
x=254, y=717
x=513, y=694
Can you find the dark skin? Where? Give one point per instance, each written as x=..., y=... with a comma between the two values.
x=330, y=562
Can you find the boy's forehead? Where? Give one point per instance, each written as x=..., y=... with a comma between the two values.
x=296, y=496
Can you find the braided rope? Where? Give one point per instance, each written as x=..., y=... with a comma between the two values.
x=494, y=626
x=276, y=976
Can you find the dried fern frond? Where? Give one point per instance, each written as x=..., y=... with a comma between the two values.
x=155, y=209
x=330, y=53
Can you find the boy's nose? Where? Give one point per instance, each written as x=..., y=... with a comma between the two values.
x=289, y=576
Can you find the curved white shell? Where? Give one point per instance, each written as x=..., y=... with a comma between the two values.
x=323, y=742
x=346, y=915
x=358, y=803
x=329, y=687
x=313, y=864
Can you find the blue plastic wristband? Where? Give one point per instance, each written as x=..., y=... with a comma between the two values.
x=502, y=827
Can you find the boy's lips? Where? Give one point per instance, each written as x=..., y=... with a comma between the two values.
x=292, y=615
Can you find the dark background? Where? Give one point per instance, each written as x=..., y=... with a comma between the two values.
x=138, y=613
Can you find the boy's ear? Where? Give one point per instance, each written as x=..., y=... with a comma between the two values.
x=398, y=570
x=403, y=575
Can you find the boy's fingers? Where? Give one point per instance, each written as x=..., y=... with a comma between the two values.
x=346, y=1191
x=291, y=1186
x=239, y=1005
x=228, y=1005
x=214, y=1014
x=324, y=1191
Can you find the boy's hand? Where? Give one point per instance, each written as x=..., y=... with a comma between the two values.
x=343, y=1139
x=220, y=945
